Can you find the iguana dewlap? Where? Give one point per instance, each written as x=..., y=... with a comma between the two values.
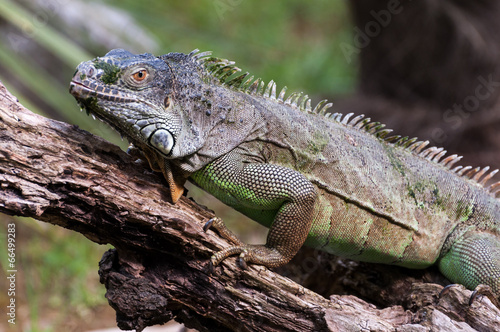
x=332, y=182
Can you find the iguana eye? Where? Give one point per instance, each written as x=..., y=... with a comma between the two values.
x=140, y=75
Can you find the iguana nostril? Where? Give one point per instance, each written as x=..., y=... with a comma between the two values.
x=90, y=71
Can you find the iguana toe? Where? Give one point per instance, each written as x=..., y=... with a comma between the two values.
x=484, y=290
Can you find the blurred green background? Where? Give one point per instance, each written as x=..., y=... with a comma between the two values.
x=295, y=43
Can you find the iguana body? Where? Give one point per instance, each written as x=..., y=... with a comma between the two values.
x=336, y=183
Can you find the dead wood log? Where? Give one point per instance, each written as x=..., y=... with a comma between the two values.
x=158, y=271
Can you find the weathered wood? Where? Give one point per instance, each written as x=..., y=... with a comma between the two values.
x=60, y=174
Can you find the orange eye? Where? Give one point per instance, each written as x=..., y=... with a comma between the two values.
x=140, y=75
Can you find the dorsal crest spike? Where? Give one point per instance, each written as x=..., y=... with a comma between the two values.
x=409, y=142
x=435, y=151
x=401, y=141
x=281, y=97
x=193, y=52
x=494, y=188
x=421, y=146
x=308, y=106
x=337, y=117
x=213, y=67
x=383, y=133
x=356, y=119
x=296, y=99
x=346, y=118
x=302, y=103
x=371, y=127
x=237, y=81
x=480, y=173
x=319, y=105
x=488, y=177
x=273, y=91
x=429, y=151
x=470, y=174
x=290, y=98
x=225, y=72
x=414, y=145
x=362, y=123
x=450, y=159
x=198, y=56
x=270, y=87
x=325, y=108
x=244, y=86
x=260, y=89
x=454, y=161
x=392, y=138
x=463, y=170
x=440, y=155
x=252, y=89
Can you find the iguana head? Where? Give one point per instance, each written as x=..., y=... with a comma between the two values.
x=135, y=94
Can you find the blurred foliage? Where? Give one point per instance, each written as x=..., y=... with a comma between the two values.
x=295, y=43
x=56, y=276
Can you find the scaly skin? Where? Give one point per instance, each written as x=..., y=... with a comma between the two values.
x=340, y=185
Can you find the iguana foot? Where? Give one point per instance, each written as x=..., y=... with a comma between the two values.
x=217, y=224
x=256, y=254
x=480, y=290
x=484, y=290
x=135, y=153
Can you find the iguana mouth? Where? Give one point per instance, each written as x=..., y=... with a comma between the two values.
x=86, y=89
x=86, y=92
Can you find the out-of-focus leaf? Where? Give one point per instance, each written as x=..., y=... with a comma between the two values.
x=54, y=41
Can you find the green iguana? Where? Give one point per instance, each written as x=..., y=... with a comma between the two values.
x=336, y=183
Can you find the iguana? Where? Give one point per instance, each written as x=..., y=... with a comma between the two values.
x=338, y=183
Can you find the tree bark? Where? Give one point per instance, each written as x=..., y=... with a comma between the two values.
x=159, y=269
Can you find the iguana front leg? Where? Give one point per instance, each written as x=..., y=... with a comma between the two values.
x=158, y=163
x=254, y=188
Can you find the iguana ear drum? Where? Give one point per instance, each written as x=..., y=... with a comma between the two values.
x=162, y=140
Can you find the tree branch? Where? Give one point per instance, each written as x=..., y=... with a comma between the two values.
x=60, y=174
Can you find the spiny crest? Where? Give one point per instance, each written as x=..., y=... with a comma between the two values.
x=230, y=75
x=434, y=154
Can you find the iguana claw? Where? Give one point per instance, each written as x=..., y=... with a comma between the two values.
x=224, y=232
x=484, y=290
x=446, y=289
x=241, y=261
x=215, y=260
x=219, y=256
x=217, y=224
x=480, y=290
x=207, y=225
